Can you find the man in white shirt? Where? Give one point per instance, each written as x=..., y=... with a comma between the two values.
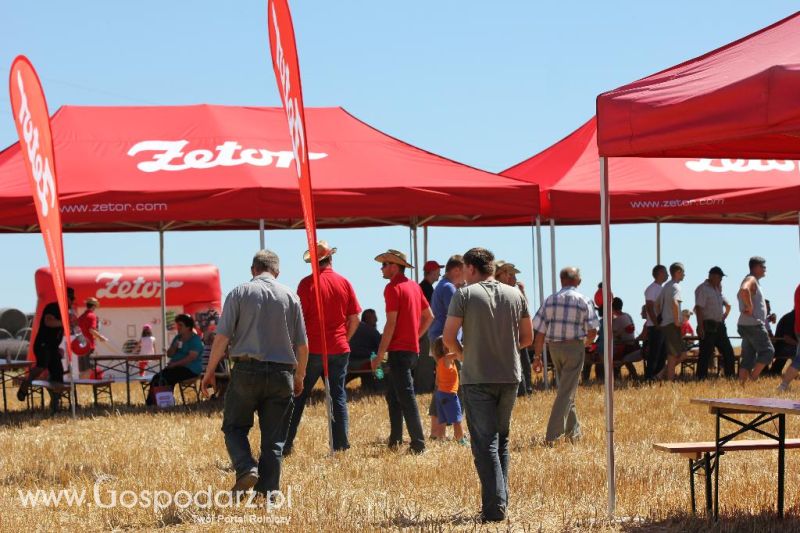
x=668, y=307
x=655, y=341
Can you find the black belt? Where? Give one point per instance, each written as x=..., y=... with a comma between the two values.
x=248, y=359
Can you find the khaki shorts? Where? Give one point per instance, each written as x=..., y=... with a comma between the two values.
x=672, y=339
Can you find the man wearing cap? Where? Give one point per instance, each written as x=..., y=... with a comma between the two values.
x=46, y=349
x=87, y=323
x=712, y=309
x=425, y=372
x=263, y=321
x=757, y=349
x=408, y=317
x=506, y=273
x=341, y=311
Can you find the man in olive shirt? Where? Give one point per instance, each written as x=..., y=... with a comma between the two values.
x=264, y=322
x=496, y=324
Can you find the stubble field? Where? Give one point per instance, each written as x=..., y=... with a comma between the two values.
x=130, y=454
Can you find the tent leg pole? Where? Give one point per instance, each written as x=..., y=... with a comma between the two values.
x=425, y=244
x=416, y=252
x=541, y=293
x=163, y=291
x=608, y=347
x=261, y=234
x=658, y=243
x=534, y=288
x=553, y=253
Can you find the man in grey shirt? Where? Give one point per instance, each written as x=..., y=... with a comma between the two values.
x=263, y=322
x=496, y=324
x=757, y=349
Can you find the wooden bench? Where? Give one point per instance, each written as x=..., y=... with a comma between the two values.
x=100, y=388
x=701, y=455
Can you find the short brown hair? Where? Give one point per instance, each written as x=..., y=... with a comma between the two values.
x=480, y=258
x=455, y=261
x=438, y=348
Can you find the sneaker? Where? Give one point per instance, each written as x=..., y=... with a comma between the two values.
x=783, y=387
x=22, y=393
x=245, y=482
x=463, y=441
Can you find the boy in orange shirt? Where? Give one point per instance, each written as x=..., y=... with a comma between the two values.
x=448, y=406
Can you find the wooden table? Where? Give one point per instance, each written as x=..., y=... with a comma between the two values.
x=12, y=367
x=762, y=411
x=113, y=362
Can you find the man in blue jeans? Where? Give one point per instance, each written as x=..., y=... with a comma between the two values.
x=264, y=321
x=341, y=321
x=496, y=325
x=408, y=317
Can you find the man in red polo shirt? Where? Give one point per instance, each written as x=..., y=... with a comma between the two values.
x=341, y=321
x=408, y=317
x=88, y=324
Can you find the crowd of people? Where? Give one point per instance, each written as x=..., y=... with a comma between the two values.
x=470, y=338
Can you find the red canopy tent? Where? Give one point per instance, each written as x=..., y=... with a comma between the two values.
x=738, y=101
x=657, y=190
x=206, y=166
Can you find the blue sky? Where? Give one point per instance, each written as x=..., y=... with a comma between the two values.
x=489, y=84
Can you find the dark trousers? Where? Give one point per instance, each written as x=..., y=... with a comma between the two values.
x=656, y=352
x=170, y=376
x=49, y=357
x=715, y=335
x=425, y=369
x=337, y=372
x=526, y=385
x=488, y=408
x=266, y=389
x=402, y=401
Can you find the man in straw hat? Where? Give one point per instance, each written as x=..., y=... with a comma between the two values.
x=506, y=273
x=263, y=320
x=408, y=317
x=341, y=321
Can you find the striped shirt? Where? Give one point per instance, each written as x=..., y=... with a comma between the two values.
x=566, y=315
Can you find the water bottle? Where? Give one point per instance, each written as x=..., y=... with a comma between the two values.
x=379, y=370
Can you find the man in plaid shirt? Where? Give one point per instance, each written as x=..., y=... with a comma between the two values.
x=567, y=322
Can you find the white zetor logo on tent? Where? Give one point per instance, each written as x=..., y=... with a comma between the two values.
x=171, y=155
x=742, y=165
x=116, y=287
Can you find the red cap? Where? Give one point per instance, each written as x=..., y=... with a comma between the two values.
x=431, y=265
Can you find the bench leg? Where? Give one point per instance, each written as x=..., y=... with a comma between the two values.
x=691, y=485
x=708, y=483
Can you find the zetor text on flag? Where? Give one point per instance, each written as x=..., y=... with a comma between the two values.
x=287, y=73
x=29, y=109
